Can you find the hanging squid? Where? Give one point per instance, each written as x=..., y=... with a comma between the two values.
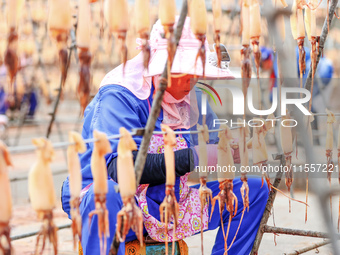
x=329, y=148
x=255, y=32
x=117, y=17
x=99, y=172
x=226, y=197
x=6, y=200
x=11, y=59
x=217, y=14
x=287, y=147
x=245, y=51
x=268, y=125
x=260, y=154
x=169, y=208
x=42, y=193
x=309, y=120
x=280, y=21
x=59, y=25
x=298, y=31
x=198, y=23
x=243, y=134
x=130, y=216
x=310, y=24
x=142, y=15
x=204, y=192
x=167, y=15
x=77, y=146
x=83, y=43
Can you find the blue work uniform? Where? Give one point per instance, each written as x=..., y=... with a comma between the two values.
x=115, y=106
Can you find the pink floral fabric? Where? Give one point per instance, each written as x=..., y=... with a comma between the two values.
x=189, y=220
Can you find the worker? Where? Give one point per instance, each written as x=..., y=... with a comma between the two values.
x=125, y=100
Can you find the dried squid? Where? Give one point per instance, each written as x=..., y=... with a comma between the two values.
x=204, y=192
x=226, y=197
x=15, y=8
x=99, y=172
x=329, y=148
x=245, y=51
x=142, y=14
x=83, y=43
x=198, y=22
x=310, y=23
x=59, y=25
x=255, y=31
x=42, y=193
x=217, y=14
x=287, y=147
x=298, y=31
x=6, y=200
x=169, y=209
x=243, y=133
x=130, y=216
x=77, y=146
x=260, y=153
x=268, y=125
x=117, y=17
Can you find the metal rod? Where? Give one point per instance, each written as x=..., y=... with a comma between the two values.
x=294, y=232
x=156, y=104
x=309, y=248
x=33, y=233
x=136, y=132
x=269, y=205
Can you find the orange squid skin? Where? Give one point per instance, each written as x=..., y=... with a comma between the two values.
x=302, y=55
x=201, y=51
x=61, y=38
x=123, y=49
x=217, y=39
x=168, y=209
x=245, y=70
x=225, y=198
x=11, y=57
x=257, y=53
x=5, y=233
x=146, y=50
x=84, y=78
x=130, y=217
x=245, y=191
x=314, y=52
x=48, y=230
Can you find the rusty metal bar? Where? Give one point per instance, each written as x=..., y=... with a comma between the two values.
x=309, y=248
x=269, y=206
